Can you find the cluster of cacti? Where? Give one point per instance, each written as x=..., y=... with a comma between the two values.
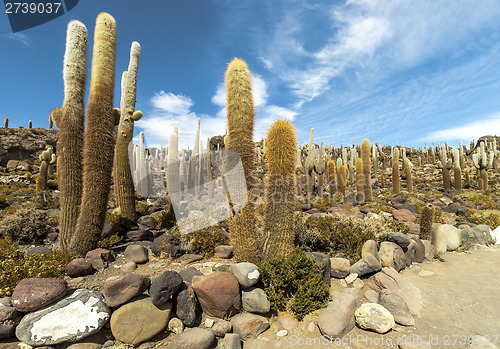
x=483, y=161
x=84, y=193
x=280, y=190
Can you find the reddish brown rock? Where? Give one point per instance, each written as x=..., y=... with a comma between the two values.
x=99, y=258
x=403, y=215
x=120, y=289
x=224, y=251
x=218, y=293
x=78, y=267
x=34, y=293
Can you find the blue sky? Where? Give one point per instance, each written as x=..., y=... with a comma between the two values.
x=397, y=71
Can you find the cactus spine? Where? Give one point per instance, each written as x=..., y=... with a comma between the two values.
x=280, y=185
x=396, y=185
x=99, y=138
x=426, y=222
x=123, y=182
x=365, y=155
x=240, y=121
x=70, y=121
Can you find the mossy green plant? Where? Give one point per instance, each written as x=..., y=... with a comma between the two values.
x=204, y=241
x=294, y=283
x=15, y=266
x=489, y=217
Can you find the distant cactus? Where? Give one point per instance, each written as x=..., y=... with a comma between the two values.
x=6, y=125
x=409, y=179
x=45, y=159
x=396, y=185
x=331, y=177
x=365, y=155
x=99, y=139
x=457, y=170
x=426, y=220
x=70, y=121
x=123, y=182
x=280, y=185
x=240, y=120
x=445, y=165
x=467, y=178
x=342, y=180
x=360, y=186
x=30, y=124
x=483, y=161
x=319, y=168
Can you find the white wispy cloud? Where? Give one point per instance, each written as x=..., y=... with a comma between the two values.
x=20, y=37
x=472, y=130
x=175, y=110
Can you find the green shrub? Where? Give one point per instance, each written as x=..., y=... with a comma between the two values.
x=15, y=266
x=485, y=201
x=27, y=225
x=203, y=241
x=396, y=226
x=489, y=217
x=294, y=284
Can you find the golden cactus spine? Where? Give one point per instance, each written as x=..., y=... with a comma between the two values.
x=99, y=138
x=366, y=156
x=426, y=220
x=70, y=121
x=396, y=185
x=240, y=121
x=280, y=185
x=123, y=183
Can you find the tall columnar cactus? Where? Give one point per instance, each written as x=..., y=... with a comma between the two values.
x=483, y=161
x=123, y=182
x=342, y=180
x=331, y=177
x=365, y=155
x=457, y=170
x=30, y=124
x=6, y=124
x=360, y=186
x=467, y=178
x=445, y=165
x=375, y=159
x=240, y=121
x=396, y=185
x=280, y=186
x=173, y=178
x=70, y=121
x=99, y=139
x=426, y=220
x=409, y=179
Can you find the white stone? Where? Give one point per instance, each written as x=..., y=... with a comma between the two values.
x=282, y=333
x=209, y=323
x=351, y=277
x=495, y=235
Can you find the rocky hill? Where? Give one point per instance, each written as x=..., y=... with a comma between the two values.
x=25, y=144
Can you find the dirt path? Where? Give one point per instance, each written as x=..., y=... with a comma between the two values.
x=460, y=298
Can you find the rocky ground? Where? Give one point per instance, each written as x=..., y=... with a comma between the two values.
x=402, y=289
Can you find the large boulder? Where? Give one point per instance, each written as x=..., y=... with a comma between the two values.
x=34, y=293
x=57, y=323
x=218, y=293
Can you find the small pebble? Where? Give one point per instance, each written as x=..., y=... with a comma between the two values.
x=311, y=327
x=351, y=277
x=282, y=333
x=209, y=323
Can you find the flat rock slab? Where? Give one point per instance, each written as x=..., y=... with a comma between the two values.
x=34, y=293
x=121, y=288
x=57, y=323
x=249, y=325
x=139, y=320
